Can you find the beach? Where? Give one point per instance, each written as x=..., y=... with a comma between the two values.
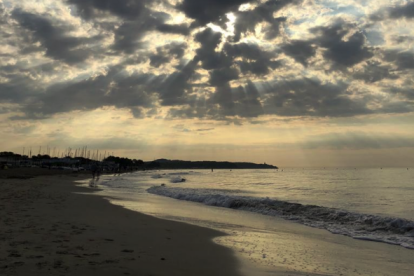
x=50, y=226
x=52, y=223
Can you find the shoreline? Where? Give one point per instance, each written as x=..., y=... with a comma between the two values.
x=269, y=245
x=50, y=225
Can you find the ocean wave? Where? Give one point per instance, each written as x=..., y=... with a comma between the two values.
x=367, y=227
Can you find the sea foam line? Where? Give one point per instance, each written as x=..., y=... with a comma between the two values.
x=390, y=230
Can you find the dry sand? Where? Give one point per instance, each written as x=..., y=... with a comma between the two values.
x=47, y=227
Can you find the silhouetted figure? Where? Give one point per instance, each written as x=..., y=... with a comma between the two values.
x=98, y=173
x=94, y=170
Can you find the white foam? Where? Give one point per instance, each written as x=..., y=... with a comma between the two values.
x=359, y=226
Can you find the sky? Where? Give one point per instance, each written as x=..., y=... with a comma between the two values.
x=293, y=83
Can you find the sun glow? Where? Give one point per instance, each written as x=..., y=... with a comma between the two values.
x=229, y=31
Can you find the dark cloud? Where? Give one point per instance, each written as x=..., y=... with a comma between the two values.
x=396, y=12
x=311, y=97
x=403, y=39
x=174, y=90
x=406, y=11
x=113, y=89
x=223, y=59
x=138, y=112
x=166, y=53
x=208, y=11
x=402, y=59
x=220, y=77
x=372, y=72
x=344, y=44
x=223, y=98
x=248, y=51
x=210, y=59
x=405, y=89
x=18, y=89
x=182, y=29
x=122, y=90
x=128, y=9
x=137, y=20
x=55, y=40
x=254, y=67
x=129, y=34
x=247, y=20
x=299, y=50
x=249, y=101
x=225, y=103
x=254, y=60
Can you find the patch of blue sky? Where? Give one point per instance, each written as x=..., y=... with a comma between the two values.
x=8, y=4
x=375, y=38
x=347, y=10
x=302, y=20
x=288, y=31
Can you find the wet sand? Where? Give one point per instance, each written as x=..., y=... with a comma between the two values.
x=49, y=226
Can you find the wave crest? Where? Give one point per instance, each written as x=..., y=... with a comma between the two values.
x=390, y=230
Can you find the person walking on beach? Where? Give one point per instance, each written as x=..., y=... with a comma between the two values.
x=94, y=169
x=98, y=173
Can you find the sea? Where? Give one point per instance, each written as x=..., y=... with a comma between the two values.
x=368, y=204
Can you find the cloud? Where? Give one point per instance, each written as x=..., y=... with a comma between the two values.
x=129, y=34
x=208, y=11
x=248, y=20
x=344, y=43
x=111, y=89
x=166, y=53
x=405, y=89
x=182, y=29
x=400, y=11
x=127, y=9
x=311, y=97
x=174, y=90
x=137, y=19
x=253, y=59
x=373, y=72
x=299, y=50
x=402, y=59
x=403, y=38
x=204, y=129
x=206, y=54
x=131, y=55
x=220, y=77
x=56, y=41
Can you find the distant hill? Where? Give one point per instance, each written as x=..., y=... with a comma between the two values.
x=179, y=164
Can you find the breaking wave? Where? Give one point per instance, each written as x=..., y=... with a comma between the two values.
x=390, y=230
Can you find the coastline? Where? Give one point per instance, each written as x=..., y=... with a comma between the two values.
x=49, y=225
x=265, y=245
